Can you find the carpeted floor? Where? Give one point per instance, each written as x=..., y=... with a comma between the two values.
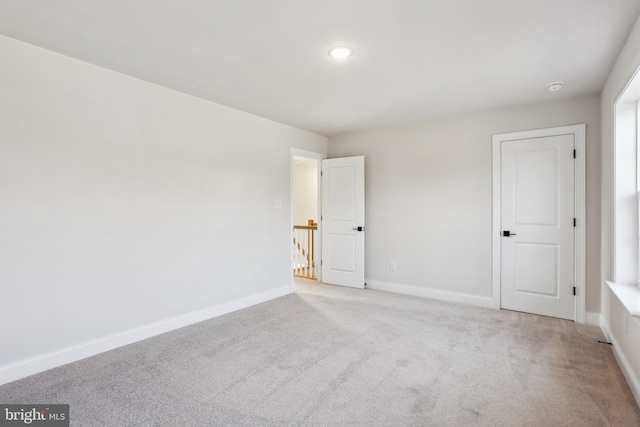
x=330, y=356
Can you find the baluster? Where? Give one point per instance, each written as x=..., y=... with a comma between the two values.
x=313, y=253
x=299, y=249
x=304, y=250
x=296, y=252
x=308, y=269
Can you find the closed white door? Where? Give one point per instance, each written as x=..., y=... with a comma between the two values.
x=538, y=225
x=342, y=219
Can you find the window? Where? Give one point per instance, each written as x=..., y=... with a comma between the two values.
x=626, y=220
x=627, y=199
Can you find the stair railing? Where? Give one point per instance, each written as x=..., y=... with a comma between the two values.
x=304, y=250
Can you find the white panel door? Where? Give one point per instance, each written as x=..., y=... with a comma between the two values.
x=343, y=221
x=538, y=234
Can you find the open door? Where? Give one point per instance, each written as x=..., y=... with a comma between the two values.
x=343, y=224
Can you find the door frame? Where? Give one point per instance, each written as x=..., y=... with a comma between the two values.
x=579, y=134
x=318, y=157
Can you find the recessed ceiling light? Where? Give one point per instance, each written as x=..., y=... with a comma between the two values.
x=340, y=52
x=554, y=87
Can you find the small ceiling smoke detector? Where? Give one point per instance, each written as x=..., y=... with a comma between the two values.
x=340, y=52
x=554, y=87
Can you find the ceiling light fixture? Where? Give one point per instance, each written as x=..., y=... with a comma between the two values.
x=554, y=87
x=340, y=52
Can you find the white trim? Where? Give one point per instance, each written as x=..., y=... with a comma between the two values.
x=33, y=365
x=437, y=294
x=319, y=157
x=623, y=363
x=612, y=194
x=628, y=295
x=308, y=154
x=496, y=226
x=580, y=183
x=579, y=132
x=592, y=318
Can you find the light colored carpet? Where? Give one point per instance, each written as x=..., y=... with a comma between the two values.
x=330, y=356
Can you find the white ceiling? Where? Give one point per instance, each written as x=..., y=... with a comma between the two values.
x=413, y=59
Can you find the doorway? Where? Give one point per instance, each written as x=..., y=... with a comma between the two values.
x=305, y=227
x=539, y=222
x=305, y=218
x=339, y=198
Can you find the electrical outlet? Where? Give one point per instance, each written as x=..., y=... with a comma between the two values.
x=278, y=204
x=255, y=273
x=393, y=266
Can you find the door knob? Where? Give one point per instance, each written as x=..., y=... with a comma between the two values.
x=358, y=229
x=507, y=233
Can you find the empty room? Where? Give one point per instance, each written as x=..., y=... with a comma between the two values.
x=299, y=213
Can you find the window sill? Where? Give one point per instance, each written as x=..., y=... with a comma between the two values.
x=629, y=296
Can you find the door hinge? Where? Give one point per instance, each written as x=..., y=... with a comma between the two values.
x=322, y=172
x=574, y=291
x=574, y=222
x=574, y=154
x=320, y=262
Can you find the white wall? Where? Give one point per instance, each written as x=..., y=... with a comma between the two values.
x=626, y=344
x=123, y=203
x=428, y=195
x=305, y=192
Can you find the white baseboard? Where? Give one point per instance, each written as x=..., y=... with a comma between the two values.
x=592, y=318
x=437, y=294
x=26, y=367
x=625, y=367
